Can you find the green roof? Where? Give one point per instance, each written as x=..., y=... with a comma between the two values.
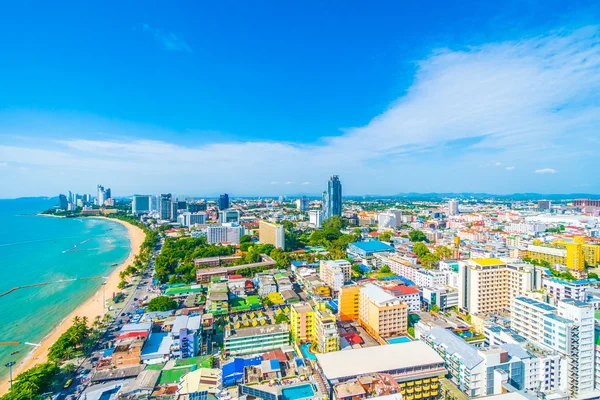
x=183, y=289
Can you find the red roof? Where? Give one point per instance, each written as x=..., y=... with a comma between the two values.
x=403, y=290
x=374, y=234
x=133, y=334
x=275, y=354
x=235, y=276
x=353, y=338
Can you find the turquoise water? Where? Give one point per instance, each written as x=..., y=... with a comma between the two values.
x=307, y=354
x=298, y=392
x=398, y=339
x=38, y=249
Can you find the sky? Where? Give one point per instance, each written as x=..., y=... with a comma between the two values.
x=271, y=97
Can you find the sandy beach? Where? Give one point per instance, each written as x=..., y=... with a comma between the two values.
x=91, y=308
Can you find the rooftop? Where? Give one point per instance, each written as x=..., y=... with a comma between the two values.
x=368, y=360
x=535, y=303
x=258, y=331
x=377, y=294
x=455, y=345
x=373, y=245
x=486, y=262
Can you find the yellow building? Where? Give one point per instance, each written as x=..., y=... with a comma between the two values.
x=269, y=233
x=348, y=303
x=379, y=312
x=314, y=323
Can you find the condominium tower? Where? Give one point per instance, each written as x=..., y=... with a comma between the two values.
x=332, y=198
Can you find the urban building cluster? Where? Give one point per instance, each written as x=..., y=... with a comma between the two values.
x=306, y=298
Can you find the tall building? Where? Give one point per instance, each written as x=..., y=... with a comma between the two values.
x=224, y=233
x=314, y=324
x=223, y=202
x=269, y=233
x=141, y=204
x=487, y=285
x=302, y=204
x=335, y=273
x=315, y=218
x=174, y=210
x=63, y=202
x=229, y=216
x=386, y=220
x=544, y=204
x=164, y=206
x=567, y=329
x=453, y=207
x=196, y=207
x=332, y=198
x=100, y=196
x=379, y=311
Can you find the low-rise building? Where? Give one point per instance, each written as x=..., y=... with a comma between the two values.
x=255, y=340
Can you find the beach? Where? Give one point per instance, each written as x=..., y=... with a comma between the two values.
x=92, y=307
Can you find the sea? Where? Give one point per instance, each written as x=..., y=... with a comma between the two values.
x=36, y=249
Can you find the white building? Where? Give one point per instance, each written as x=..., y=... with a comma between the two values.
x=224, y=233
x=528, y=228
x=386, y=220
x=568, y=330
x=429, y=278
x=557, y=290
x=315, y=218
x=188, y=219
x=453, y=207
x=442, y=297
x=335, y=273
x=399, y=266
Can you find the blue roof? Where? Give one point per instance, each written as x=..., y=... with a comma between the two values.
x=275, y=364
x=234, y=370
x=364, y=268
x=108, y=352
x=373, y=245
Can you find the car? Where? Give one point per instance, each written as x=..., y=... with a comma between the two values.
x=68, y=383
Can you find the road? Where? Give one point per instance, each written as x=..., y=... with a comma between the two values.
x=143, y=287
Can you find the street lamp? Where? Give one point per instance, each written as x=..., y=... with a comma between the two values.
x=9, y=365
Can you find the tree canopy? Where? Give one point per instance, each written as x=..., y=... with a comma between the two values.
x=417, y=236
x=162, y=303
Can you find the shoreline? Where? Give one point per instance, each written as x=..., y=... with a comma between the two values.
x=91, y=307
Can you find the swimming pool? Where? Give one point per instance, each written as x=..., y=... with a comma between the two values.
x=398, y=339
x=306, y=353
x=298, y=392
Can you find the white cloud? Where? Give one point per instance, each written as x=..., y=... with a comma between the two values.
x=168, y=40
x=545, y=171
x=289, y=182
x=3, y=164
x=526, y=102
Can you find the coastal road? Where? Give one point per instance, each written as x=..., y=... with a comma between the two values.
x=142, y=288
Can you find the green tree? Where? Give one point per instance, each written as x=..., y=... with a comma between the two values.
x=593, y=275
x=386, y=236
x=162, y=303
x=386, y=269
x=417, y=236
x=435, y=308
x=281, y=317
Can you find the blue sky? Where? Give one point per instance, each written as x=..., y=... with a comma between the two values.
x=272, y=98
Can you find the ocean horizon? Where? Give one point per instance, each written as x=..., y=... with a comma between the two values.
x=35, y=249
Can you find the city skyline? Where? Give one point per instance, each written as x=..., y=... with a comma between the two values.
x=465, y=98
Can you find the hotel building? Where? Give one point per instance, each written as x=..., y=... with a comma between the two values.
x=487, y=285
x=335, y=273
x=269, y=233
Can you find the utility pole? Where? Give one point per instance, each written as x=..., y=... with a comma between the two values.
x=9, y=365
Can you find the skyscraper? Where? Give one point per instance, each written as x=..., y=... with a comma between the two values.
x=164, y=206
x=63, y=202
x=332, y=198
x=100, y=196
x=223, y=202
x=452, y=207
x=141, y=204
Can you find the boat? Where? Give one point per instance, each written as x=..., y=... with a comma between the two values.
x=114, y=265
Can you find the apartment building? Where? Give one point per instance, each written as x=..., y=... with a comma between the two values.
x=399, y=266
x=413, y=365
x=314, y=323
x=557, y=290
x=255, y=340
x=573, y=254
x=411, y=296
x=335, y=273
x=487, y=285
x=269, y=233
x=430, y=278
x=568, y=330
x=381, y=313
x=224, y=233
x=348, y=303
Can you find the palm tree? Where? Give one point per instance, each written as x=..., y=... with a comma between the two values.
x=29, y=387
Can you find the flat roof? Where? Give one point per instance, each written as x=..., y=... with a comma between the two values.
x=373, y=245
x=350, y=363
x=535, y=303
x=377, y=294
x=486, y=262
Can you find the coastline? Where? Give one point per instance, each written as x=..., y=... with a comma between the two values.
x=90, y=308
